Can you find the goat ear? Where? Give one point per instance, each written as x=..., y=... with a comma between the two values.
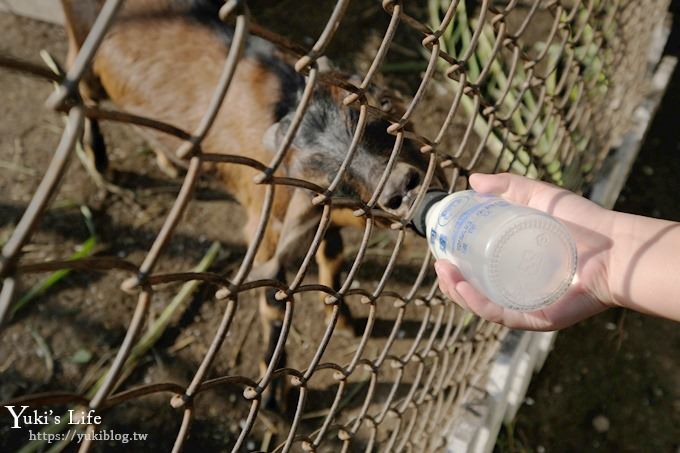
x=272, y=137
x=355, y=80
x=324, y=64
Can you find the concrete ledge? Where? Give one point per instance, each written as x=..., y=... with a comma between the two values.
x=618, y=164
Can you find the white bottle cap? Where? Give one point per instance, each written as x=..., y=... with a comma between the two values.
x=531, y=264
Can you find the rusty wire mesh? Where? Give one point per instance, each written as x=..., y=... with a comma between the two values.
x=550, y=111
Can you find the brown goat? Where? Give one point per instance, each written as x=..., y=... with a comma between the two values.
x=163, y=58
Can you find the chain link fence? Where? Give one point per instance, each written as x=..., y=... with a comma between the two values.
x=541, y=88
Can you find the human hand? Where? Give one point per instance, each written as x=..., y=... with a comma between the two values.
x=591, y=227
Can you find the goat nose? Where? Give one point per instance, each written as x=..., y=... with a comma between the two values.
x=412, y=180
x=403, y=191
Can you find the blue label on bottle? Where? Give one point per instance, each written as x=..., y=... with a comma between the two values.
x=466, y=223
x=442, y=242
x=433, y=236
x=447, y=213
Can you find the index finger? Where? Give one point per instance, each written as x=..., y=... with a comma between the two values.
x=517, y=189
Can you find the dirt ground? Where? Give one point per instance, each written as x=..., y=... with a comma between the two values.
x=620, y=366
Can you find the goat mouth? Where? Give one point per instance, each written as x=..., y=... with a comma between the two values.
x=403, y=208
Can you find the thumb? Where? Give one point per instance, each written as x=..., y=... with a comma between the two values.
x=494, y=183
